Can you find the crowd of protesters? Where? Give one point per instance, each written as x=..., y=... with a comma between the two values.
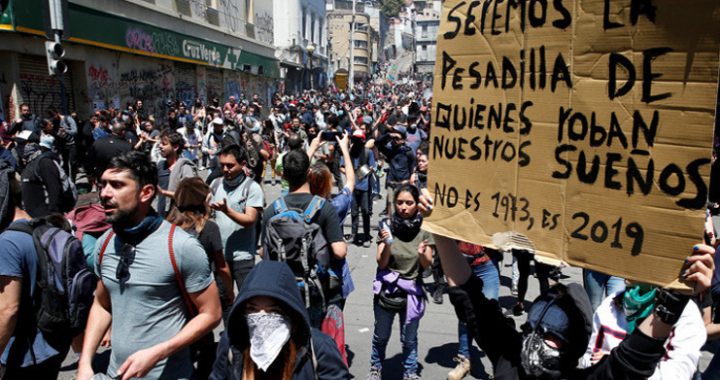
x=181, y=240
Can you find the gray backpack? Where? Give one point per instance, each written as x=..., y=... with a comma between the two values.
x=293, y=236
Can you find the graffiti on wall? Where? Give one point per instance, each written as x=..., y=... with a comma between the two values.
x=230, y=10
x=264, y=27
x=185, y=90
x=199, y=8
x=38, y=91
x=153, y=84
x=155, y=42
x=201, y=84
x=102, y=84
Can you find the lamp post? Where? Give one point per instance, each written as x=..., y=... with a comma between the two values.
x=311, y=49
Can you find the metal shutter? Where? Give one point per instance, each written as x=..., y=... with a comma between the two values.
x=185, y=89
x=41, y=90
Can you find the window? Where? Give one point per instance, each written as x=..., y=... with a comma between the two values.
x=312, y=28
x=424, y=28
x=361, y=44
x=361, y=60
x=304, y=26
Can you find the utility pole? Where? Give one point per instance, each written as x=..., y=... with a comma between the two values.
x=351, y=75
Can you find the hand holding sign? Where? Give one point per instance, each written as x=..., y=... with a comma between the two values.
x=580, y=130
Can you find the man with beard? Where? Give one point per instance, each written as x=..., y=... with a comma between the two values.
x=239, y=200
x=150, y=274
x=26, y=122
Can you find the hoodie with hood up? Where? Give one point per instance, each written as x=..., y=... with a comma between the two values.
x=275, y=279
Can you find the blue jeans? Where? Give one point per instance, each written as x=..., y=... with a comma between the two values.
x=408, y=338
x=488, y=273
x=599, y=285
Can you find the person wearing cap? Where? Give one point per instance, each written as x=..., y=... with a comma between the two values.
x=559, y=323
x=41, y=182
x=400, y=158
x=361, y=201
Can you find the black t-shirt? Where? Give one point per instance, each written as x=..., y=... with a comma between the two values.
x=327, y=218
x=210, y=239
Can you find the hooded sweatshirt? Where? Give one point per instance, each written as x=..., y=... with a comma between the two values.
x=275, y=279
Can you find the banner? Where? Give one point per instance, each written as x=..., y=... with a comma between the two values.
x=580, y=130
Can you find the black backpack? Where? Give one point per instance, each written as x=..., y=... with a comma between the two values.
x=294, y=237
x=65, y=287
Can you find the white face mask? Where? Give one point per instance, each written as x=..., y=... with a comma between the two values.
x=268, y=334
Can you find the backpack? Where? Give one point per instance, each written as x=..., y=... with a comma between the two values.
x=292, y=236
x=69, y=194
x=7, y=211
x=65, y=285
x=88, y=219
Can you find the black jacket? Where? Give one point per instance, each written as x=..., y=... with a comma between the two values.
x=635, y=358
x=274, y=279
x=41, y=186
x=104, y=149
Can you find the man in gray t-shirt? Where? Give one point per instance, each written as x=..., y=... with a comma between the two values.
x=140, y=294
x=237, y=200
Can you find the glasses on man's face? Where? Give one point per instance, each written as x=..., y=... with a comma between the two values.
x=127, y=256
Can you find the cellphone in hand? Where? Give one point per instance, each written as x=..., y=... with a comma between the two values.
x=329, y=135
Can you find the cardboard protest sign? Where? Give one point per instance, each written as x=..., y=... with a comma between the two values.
x=579, y=129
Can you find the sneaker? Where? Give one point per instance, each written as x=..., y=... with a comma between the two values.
x=461, y=369
x=438, y=295
x=367, y=243
x=413, y=376
x=375, y=374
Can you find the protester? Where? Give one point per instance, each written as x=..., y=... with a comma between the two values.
x=600, y=285
x=618, y=316
x=106, y=148
x=403, y=252
x=401, y=160
x=192, y=213
x=237, y=201
x=172, y=169
x=269, y=334
x=151, y=327
x=42, y=183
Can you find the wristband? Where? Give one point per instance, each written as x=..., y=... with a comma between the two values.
x=669, y=306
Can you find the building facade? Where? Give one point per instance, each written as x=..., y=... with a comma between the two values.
x=299, y=25
x=427, y=25
x=157, y=51
x=365, y=39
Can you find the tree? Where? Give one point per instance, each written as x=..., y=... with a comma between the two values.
x=391, y=8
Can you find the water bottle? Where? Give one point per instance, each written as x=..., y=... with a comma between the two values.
x=385, y=225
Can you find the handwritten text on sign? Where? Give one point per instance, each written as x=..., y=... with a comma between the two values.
x=584, y=126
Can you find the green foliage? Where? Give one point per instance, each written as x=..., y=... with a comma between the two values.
x=391, y=8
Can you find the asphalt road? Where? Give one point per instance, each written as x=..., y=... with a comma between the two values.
x=437, y=334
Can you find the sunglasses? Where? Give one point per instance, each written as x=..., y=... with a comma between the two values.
x=127, y=257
